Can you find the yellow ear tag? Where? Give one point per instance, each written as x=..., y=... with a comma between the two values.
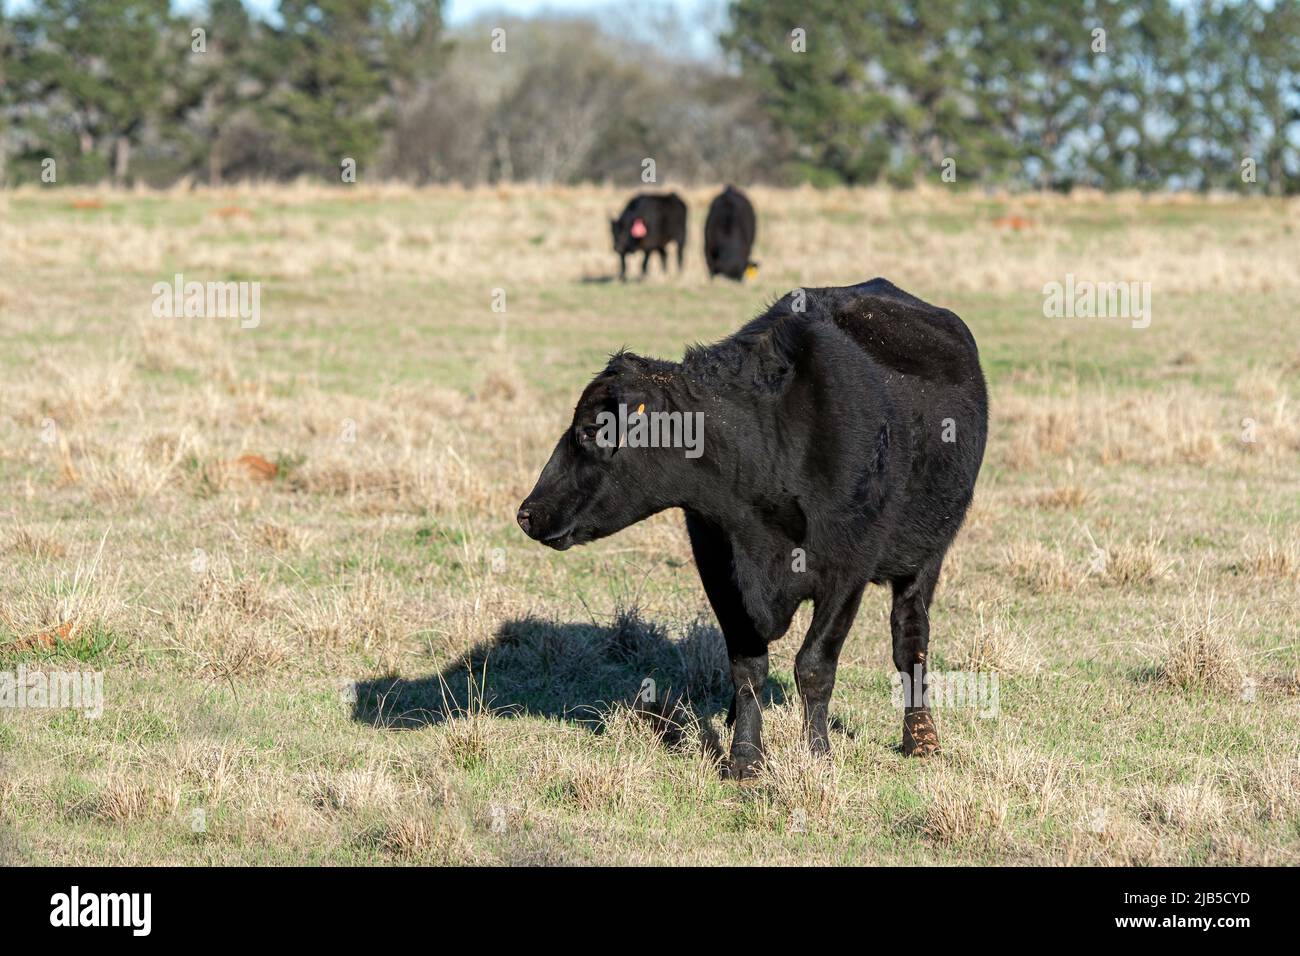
x=640, y=409
x=751, y=272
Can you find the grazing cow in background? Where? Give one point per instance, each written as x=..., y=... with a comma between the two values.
x=837, y=438
x=729, y=235
x=647, y=225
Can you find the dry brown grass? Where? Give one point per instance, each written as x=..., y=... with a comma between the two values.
x=1045, y=568
x=1041, y=568
x=1272, y=558
x=1199, y=648
x=962, y=811
x=1064, y=497
x=1274, y=786
x=281, y=537
x=594, y=783
x=996, y=260
x=121, y=799
x=798, y=791
x=1048, y=783
x=469, y=739
x=997, y=643
x=432, y=839
x=71, y=604
x=1133, y=564
x=368, y=788
x=400, y=422
x=1178, y=426
x=1187, y=808
x=33, y=544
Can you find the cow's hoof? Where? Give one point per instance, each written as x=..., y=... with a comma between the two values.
x=742, y=772
x=920, y=739
x=818, y=744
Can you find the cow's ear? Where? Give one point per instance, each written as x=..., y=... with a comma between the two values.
x=625, y=361
x=639, y=400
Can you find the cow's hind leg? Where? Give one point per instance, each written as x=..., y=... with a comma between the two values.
x=645, y=263
x=909, y=620
x=746, y=650
x=815, y=664
x=663, y=258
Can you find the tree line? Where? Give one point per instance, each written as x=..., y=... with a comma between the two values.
x=1199, y=94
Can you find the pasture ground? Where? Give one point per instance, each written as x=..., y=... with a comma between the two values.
x=340, y=649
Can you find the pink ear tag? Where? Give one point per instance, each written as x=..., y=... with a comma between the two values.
x=638, y=229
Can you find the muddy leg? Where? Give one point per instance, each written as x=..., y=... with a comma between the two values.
x=909, y=621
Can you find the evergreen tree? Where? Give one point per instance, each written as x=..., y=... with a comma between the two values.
x=329, y=69
x=91, y=74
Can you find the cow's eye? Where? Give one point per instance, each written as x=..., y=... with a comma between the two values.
x=588, y=433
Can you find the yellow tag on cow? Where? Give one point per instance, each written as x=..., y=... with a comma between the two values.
x=751, y=272
x=640, y=408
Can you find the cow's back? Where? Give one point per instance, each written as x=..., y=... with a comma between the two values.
x=664, y=216
x=729, y=231
x=914, y=366
x=933, y=379
x=731, y=215
x=906, y=334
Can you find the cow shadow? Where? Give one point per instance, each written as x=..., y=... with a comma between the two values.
x=575, y=672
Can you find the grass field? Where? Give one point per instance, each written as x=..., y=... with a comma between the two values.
x=291, y=548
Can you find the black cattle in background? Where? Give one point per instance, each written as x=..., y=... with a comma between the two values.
x=834, y=442
x=647, y=225
x=729, y=235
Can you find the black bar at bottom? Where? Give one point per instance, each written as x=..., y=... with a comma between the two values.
x=337, y=905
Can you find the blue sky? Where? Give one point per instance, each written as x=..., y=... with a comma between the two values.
x=688, y=26
x=462, y=11
x=683, y=27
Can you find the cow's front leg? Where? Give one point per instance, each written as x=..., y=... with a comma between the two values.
x=814, y=665
x=622, y=267
x=645, y=263
x=746, y=648
x=748, y=674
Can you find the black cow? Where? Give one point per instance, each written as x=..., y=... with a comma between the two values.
x=729, y=235
x=843, y=432
x=647, y=225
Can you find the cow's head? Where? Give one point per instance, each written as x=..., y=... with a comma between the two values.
x=628, y=232
x=594, y=485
